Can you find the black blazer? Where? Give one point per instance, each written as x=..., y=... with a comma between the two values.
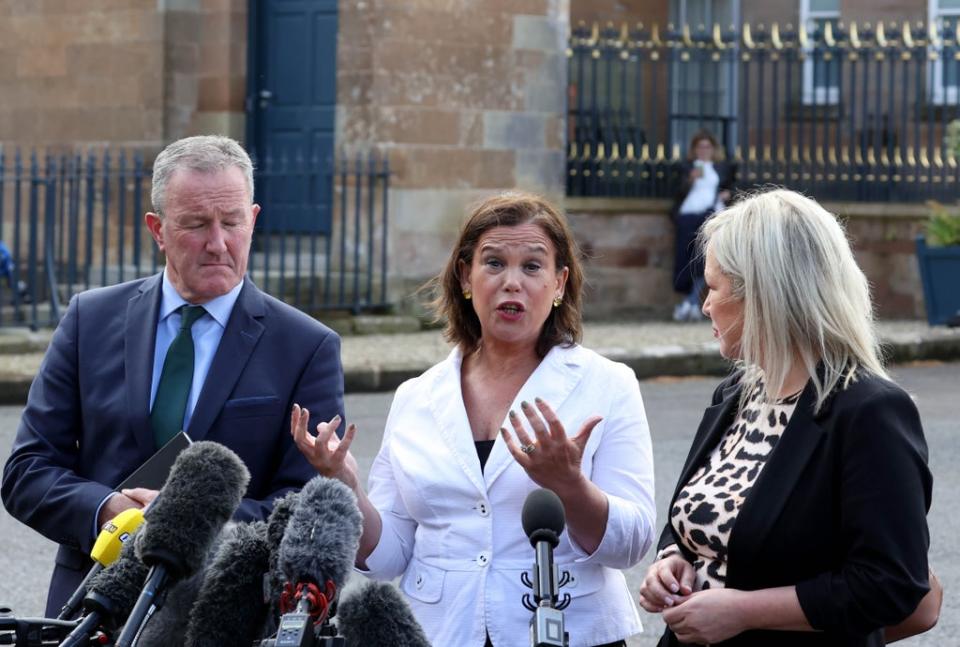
x=839, y=511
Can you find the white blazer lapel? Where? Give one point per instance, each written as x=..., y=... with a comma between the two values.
x=552, y=381
x=445, y=399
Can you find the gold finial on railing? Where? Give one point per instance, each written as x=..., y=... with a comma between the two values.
x=644, y=153
x=573, y=151
x=615, y=152
x=951, y=158
x=655, y=36
x=601, y=152
x=775, y=36
x=881, y=35
x=828, y=34
x=871, y=156
x=752, y=153
x=594, y=34
x=630, y=157
x=897, y=157
x=911, y=160
x=907, y=35
x=624, y=35
x=794, y=154
x=675, y=153
x=685, y=36
x=855, y=35
x=586, y=152
x=802, y=36
x=832, y=156
x=747, y=38
x=933, y=33
x=718, y=37
x=937, y=159
x=924, y=161
x=660, y=157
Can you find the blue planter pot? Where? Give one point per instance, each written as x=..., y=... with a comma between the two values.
x=940, y=275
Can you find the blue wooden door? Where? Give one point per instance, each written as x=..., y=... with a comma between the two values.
x=292, y=97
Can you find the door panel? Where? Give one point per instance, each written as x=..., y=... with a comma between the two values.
x=293, y=107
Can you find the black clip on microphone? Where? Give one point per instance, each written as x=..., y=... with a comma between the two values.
x=543, y=521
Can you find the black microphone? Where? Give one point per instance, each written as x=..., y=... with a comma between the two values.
x=317, y=553
x=201, y=493
x=543, y=520
x=230, y=607
x=110, y=596
x=378, y=616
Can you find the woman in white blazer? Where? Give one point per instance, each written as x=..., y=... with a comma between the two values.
x=517, y=405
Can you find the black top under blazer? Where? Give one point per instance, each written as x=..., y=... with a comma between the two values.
x=839, y=511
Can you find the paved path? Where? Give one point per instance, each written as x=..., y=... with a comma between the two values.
x=380, y=362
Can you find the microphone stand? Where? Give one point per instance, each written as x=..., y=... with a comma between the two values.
x=33, y=632
x=547, y=628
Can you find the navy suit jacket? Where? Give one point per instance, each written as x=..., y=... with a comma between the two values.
x=86, y=424
x=839, y=512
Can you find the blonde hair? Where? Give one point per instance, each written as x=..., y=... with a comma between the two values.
x=804, y=296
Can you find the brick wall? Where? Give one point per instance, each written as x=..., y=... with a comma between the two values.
x=628, y=246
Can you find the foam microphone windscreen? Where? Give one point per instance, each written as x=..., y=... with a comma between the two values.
x=230, y=610
x=276, y=527
x=323, y=534
x=377, y=616
x=204, y=488
x=114, y=590
x=543, y=517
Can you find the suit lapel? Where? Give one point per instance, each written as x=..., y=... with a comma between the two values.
x=140, y=334
x=239, y=339
x=445, y=400
x=552, y=381
x=778, y=479
x=715, y=422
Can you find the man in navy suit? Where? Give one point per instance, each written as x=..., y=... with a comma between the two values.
x=90, y=418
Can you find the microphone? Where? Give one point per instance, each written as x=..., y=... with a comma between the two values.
x=543, y=520
x=378, y=616
x=276, y=527
x=317, y=553
x=201, y=493
x=230, y=607
x=110, y=596
x=105, y=551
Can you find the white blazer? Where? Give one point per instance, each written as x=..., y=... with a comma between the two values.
x=454, y=532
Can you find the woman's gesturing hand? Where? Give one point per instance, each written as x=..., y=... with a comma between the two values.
x=668, y=581
x=329, y=454
x=551, y=459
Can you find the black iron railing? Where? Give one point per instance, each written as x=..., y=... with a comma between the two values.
x=70, y=222
x=845, y=112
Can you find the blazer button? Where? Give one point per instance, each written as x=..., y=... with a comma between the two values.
x=482, y=508
x=483, y=558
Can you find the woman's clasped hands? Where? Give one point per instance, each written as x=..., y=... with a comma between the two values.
x=701, y=617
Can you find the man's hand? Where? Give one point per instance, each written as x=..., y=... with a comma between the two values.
x=124, y=500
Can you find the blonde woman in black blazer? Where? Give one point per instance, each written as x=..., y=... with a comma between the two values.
x=800, y=515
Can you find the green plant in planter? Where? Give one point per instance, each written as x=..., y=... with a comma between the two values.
x=943, y=226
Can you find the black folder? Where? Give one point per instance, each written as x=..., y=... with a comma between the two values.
x=153, y=473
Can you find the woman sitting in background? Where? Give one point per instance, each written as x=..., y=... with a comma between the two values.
x=450, y=480
x=800, y=515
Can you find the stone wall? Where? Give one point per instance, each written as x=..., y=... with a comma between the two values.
x=628, y=248
x=467, y=98
x=133, y=72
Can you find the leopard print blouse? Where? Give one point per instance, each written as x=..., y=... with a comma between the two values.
x=707, y=506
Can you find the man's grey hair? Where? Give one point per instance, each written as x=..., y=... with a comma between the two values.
x=203, y=153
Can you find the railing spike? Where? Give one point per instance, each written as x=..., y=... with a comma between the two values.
x=854, y=35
